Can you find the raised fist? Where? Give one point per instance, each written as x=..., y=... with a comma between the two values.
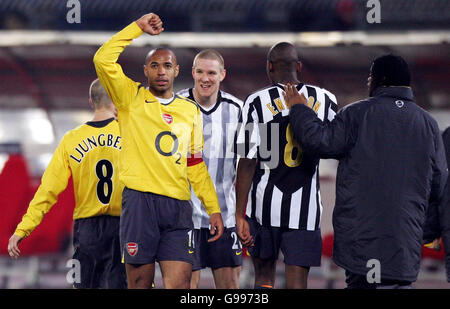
x=150, y=23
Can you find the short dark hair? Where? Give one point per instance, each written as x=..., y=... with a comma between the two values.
x=390, y=70
x=283, y=56
x=154, y=50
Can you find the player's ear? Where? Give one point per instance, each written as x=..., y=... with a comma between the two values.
x=223, y=74
x=145, y=71
x=177, y=70
x=299, y=66
x=91, y=104
x=269, y=66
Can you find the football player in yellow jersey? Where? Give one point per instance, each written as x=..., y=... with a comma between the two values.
x=161, y=158
x=90, y=154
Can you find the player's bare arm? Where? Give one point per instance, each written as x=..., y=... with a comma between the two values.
x=151, y=24
x=13, y=246
x=216, y=223
x=246, y=169
x=292, y=97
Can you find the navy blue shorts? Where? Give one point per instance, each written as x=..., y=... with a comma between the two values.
x=299, y=247
x=97, y=248
x=155, y=228
x=224, y=252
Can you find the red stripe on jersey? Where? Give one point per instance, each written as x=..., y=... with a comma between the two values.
x=194, y=159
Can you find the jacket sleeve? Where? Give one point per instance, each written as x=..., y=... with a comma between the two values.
x=444, y=208
x=440, y=171
x=54, y=181
x=437, y=222
x=323, y=139
x=119, y=87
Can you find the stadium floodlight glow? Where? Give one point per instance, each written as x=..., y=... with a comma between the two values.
x=41, y=130
x=44, y=160
x=222, y=40
x=3, y=158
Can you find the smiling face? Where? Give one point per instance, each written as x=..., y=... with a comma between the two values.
x=161, y=68
x=207, y=74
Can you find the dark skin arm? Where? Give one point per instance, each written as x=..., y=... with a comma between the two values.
x=151, y=24
x=245, y=170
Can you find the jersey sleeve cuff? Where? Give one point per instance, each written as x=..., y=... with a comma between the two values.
x=20, y=233
x=134, y=30
x=215, y=211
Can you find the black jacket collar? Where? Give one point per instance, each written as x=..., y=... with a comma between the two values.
x=400, y=92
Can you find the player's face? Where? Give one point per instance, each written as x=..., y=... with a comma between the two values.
x=161, y=70
x=207, y=75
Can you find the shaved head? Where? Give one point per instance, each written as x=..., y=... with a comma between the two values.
x=284, y=56
x=98, y=95
x=282, y=63
x=160, y=49
x=161, y=68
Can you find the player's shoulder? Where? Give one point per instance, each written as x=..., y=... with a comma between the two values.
x=253, y=97
x=110, y=124
x=321, y=89
x=184, y=99
x=231, y=99
x=186, y=93
x=73, y=135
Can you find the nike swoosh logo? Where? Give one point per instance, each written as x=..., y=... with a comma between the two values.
x=238, y=253
x=147, y=101
x=190, y=252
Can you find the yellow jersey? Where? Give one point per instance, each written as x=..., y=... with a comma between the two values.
x=90, y=154
x=162, y=141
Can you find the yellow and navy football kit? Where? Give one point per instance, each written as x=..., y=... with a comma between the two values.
x=157, y=138
x=161, y=157
x=90, y=154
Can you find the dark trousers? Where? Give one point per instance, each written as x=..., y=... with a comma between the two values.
x=97, y=247
x=355, y=281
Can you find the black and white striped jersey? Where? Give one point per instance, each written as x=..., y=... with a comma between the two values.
x=285, y=190
x=220, y=124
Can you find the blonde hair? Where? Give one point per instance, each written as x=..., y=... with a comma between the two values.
x=210, y=54
x=98, y=95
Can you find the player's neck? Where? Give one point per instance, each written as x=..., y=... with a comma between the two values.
x=285, y=79
x=205, y=102
x=103, y=114
x=166, y=94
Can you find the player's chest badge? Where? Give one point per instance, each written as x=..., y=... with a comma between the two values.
x=167, y=118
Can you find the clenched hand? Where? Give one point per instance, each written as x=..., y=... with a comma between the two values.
x=151, y=24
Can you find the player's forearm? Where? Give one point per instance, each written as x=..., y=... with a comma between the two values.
x=245, y=171
x=54, y=181
x=39, y=206
x=109, y=52
x=203, y=187
x=116, y=83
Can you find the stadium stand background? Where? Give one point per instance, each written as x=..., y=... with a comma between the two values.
x=46, y=69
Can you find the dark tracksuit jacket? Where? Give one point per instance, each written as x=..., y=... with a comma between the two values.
x=391, y=166
x=438, y=219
